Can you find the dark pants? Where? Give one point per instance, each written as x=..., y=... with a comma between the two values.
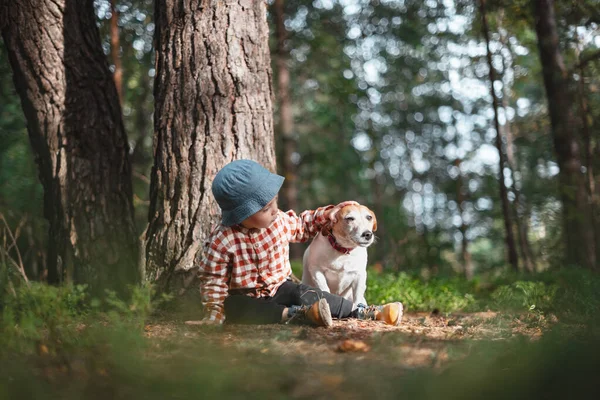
x=240, y=309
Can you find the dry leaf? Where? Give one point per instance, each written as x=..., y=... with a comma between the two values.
x=354, y=346
x=42, y=349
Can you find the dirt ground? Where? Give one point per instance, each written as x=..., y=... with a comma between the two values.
x=352, y=360
x=422, y=340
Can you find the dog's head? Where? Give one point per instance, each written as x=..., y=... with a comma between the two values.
x=353, y=226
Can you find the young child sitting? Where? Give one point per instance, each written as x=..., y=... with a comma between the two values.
x=245, y=270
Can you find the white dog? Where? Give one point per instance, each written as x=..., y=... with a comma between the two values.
x=336, y=260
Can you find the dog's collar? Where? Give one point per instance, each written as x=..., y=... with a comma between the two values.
x=336, y=245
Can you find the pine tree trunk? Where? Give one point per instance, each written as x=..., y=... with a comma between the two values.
x=289, y=193
x=212, y=105
x=588, y=151
x=76, y=131
x=521, y=217
x=513, y=258
x=115, y=48
x=578, y=233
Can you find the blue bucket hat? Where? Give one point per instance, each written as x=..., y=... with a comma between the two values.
x=242, y=188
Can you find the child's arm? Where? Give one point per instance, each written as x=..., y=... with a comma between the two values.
x=310, y=222
x=214, y=276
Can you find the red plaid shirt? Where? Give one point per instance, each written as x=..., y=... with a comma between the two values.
x=252, y=262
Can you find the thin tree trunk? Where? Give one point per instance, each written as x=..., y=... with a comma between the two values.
x=461, y=197
x=521, y=218
x=431, y=259
x=596, y=197
x=578, y=231
x=140, y=157
x=115, y=48
x=212, y=105
x=380, y=251
x=513, y=258
x=585, y=128
x=588, y=147
x=76, y=131
x=596, y=189
x=464, y=250
x=286, y=120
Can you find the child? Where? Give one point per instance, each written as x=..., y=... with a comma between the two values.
x=245, y=269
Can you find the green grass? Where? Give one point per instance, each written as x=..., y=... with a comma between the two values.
x=572, y=293
x=444, y=295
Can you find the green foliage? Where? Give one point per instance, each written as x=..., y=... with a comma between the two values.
x=534, y=296
x=89, y=348
x=570, y=293
x=577, y=296
x=55, y=316
x=41, y=312
x=417, y=294
x=133, y=311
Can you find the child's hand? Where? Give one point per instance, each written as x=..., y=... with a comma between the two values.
x=331, y=214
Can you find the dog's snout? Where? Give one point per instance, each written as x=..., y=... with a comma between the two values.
x=367, y=235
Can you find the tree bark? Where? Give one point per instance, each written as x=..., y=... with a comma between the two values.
x=76, y=131
x=212, y=105
x=588, y=148
x=289, y=198
x=578, y=232
x=521, y=217
x=513, y=258
x=115, y=48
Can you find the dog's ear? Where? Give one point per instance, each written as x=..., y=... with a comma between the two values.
x=374, y=221
x=333, y=217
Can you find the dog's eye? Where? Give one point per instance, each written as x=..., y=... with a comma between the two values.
x=369, y=218
x=349, y=219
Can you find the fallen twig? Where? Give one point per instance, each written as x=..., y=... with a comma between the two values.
x=4, y=249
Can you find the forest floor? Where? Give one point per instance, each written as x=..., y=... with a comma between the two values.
x=524, y=339
x=429, y=356
x=421, y=340
x=309, y=362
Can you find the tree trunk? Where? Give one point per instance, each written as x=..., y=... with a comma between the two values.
x=115, y=48
x=141, y=158
x=513, y=259
x=588, y=150
x=468, y=267
x=76, y=131
x=212, y=105
x=381, y=251
x=521, y=217
x=289, y=198
x=578, y=229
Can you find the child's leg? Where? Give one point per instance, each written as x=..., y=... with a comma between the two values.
x=240, y=309
x=298, y=294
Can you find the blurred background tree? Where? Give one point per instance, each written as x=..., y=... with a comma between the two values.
x=388, y=103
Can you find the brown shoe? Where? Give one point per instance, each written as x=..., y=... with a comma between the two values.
x=390, y=313
x=317, y=314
